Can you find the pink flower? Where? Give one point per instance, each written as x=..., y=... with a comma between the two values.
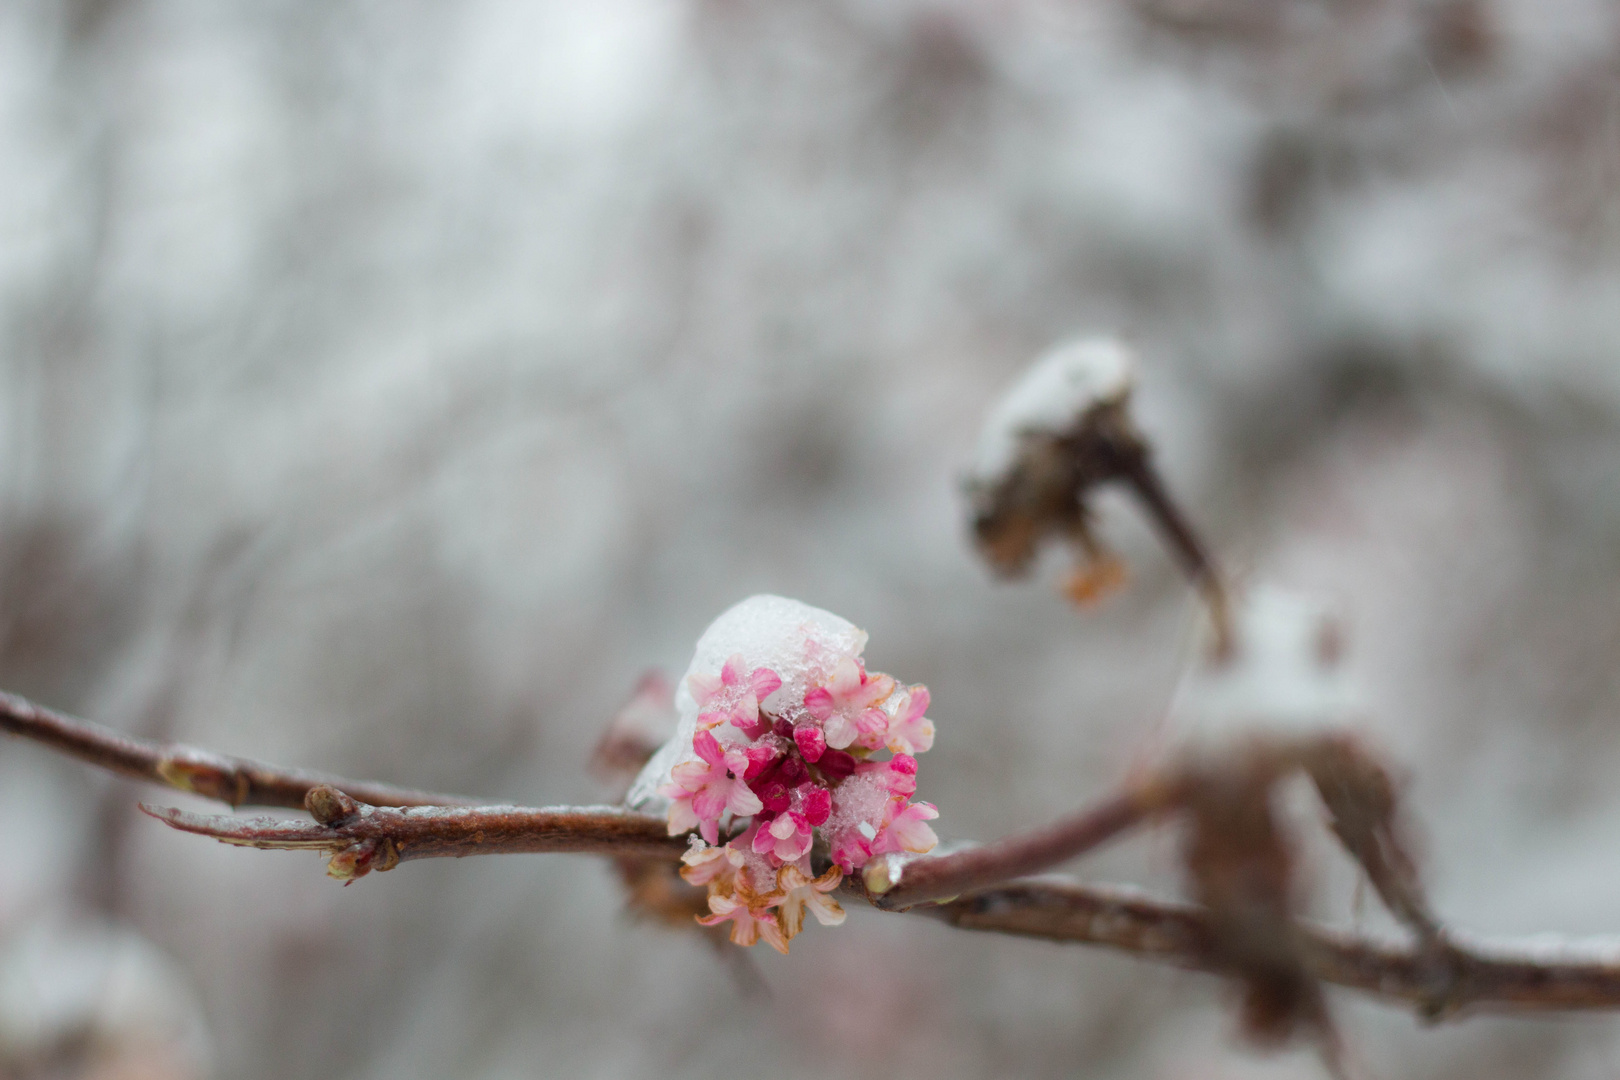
x=789, y=776
x=703, y=790
x=846, y=703
x=733, y=696
x=705, y=864
x=748, y=924
x=909, y=731
x=898, y=774
x=787, y=837
x=851, y=848
x=811, y=741
x=904, y=828
x=799, y=891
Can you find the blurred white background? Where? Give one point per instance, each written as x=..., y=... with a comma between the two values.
x=384, y=387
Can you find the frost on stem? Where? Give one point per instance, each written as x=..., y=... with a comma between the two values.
x=780, y=745
x=1063, y=430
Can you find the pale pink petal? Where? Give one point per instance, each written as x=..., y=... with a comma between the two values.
x=708, y=747
x=876, y=689
x=742, y=801
x=689, y=776
x=705, y=864
x=737, y=762
x=710, y=803
x=844, y=679
x=840, y=731
x=747, y=926
x=764, y=682
x=909, y=830
x=703, y=687
x=871, y=727
x=912, y=737
x=818, y=702
x=681, y=817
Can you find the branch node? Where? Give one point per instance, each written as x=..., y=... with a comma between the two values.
x=213, y=776
x=1441, y=976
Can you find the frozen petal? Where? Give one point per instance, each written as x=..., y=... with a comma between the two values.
x=764, y=682
x=818, y=702
x=703, y=687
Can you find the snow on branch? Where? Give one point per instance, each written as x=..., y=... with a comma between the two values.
x=1544, y=974
x=1536, y=975
x=359, y=838
x=233, y=780
x=791, y=776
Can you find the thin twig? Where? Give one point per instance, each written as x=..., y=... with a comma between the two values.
x=363, y=838
x=1143, y=479
x=1471, y=975
x=233, y=780
x=1477, y=975
x=898, y=882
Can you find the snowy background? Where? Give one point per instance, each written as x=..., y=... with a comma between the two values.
x=384, y=387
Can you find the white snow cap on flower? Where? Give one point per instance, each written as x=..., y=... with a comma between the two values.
x=1285, y=676
x=767, y=631
x=1057, y=390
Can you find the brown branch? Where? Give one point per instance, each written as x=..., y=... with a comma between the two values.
x=1478, y=974
x=1467, y=975
x=1482, y=975
x=361, y=838
x=897, y=882
x=1189, y=552
x=233, y=780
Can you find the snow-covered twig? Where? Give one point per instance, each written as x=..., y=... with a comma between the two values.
x=1534, y=975
x=1468, y=975
x=360, y=838
x=233, y=780
x=894, y=882
x=1507, y=975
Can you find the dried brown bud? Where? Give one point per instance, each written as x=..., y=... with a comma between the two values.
x=329, y=806
x=1059, y=434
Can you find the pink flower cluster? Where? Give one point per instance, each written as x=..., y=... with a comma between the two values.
x=783, y=765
